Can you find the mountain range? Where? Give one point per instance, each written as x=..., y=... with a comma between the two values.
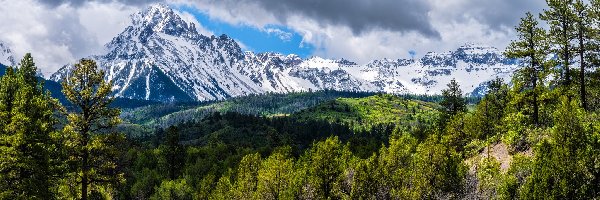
x=6, y=58
x=161, y=57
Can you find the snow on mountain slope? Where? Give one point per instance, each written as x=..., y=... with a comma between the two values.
x=159, y=47
x=6, y=55
x=161, y=57
x=470, y=65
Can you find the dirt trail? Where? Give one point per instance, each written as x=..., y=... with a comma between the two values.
x=500, y=152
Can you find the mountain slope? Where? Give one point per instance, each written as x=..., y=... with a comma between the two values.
x=161, y=57
x=370, y=111
x=6, y=56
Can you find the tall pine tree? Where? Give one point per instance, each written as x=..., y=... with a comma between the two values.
x=26, y=125
x=585, y=35
x=92, y=144
x=531, y=48
x=561, y=19
x=174, y=153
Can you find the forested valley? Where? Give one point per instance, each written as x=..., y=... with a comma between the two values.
x=536, y=136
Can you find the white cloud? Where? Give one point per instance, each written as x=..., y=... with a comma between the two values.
x=188, y=17
x=104, y=21
x=340, y=42
x=235, y=12
x=282, y=35
x=243, y=46
x=58, y=35
x=458, y=22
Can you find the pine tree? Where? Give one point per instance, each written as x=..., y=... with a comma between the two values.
x=585, y=35
x=561, y=168
x=327, y=160
x=531, y=48
x=593, y=56
x=497, y=97
x=26, y=125
x=93, y=147
x=247, y=177
x=453, y=100
x=174, y=153
x=275, y=176
x=561, y=19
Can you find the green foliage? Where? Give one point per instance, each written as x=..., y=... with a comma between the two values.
x=453, y=100
x=247, y=177
x=514, y=179
x=365, y=178
x=276, y=176
x=93, y=150
x=27, y=142
x=438, y=169
x=270, y=104
x=488, y=174
x=365, y=113
x=325, y=163
x=173, y=189
x=561, y=19
x=147, y=180
x=173, y=153
x=325, y=144
x=531, y=47
x=561, y=169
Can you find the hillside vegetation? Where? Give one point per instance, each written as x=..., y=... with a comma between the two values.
x=535, y=138
x=371, y=111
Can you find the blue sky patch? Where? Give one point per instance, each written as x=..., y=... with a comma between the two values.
x=273, y=38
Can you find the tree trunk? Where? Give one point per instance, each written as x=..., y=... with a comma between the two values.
x=566, y=53
x=536, y=108
x=582, y=70
x=85, y=160
x=84, y=176
x=534, y=80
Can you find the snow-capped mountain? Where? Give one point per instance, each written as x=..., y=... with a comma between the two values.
x=471, y=65
x=162, y=57
x=6, y=55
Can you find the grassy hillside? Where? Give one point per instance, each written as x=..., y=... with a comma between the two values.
x=364, y=113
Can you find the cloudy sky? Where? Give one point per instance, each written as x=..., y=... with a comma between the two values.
x=57, y=32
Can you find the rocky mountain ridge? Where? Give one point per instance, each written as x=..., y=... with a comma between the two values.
x=161, y=57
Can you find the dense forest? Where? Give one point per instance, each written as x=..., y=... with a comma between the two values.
x=537, y=137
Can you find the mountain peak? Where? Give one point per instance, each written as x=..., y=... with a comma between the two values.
x=161, y=18
x=6, y=55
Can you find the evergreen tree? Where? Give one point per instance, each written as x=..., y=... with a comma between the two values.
x=561, y=168
x=247, y=177
x=531, y=48
x=26, y=126
x=453, y=100
x=365, y=180
x=585, y=35
x=561, y=19
x=174, y=153
x=173, y=189
x=327, y=161
x=275, y=176
x=593, y=56
x=93, y=146
x=497, y=99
